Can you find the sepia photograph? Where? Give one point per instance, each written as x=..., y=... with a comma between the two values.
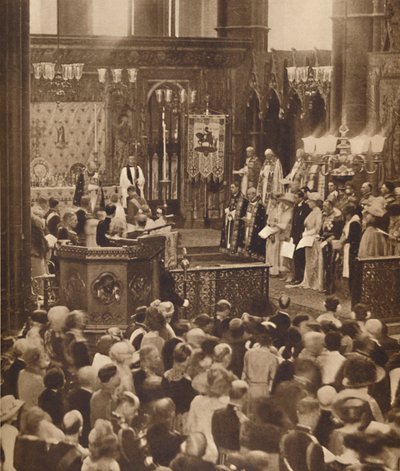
x=200, y=235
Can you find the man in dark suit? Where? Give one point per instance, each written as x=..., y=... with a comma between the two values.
x=79, y=399
x=300, y=449
x=103, y=227
x=300, y=211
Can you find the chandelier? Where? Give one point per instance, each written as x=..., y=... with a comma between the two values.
x=114, y=81
x=57, y=78
x=343, y=159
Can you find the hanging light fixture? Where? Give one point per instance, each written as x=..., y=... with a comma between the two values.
x=59, y=79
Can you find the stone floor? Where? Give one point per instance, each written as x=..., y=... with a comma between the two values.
x=202, y=247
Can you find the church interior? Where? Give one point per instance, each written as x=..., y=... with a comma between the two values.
x=200, y=234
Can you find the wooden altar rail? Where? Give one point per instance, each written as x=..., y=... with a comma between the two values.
x=204, y=286
x=377, y=284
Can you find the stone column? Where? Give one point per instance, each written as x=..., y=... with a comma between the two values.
x=378, y=19
x=15, y=164
x=358, y=42
x=76, y=17
x=244, y=20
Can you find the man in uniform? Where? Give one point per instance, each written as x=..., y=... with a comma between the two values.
x=254, y=220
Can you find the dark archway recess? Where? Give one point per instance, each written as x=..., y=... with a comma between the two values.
x=293, y=130
x=315, y=115
x=272, y=124
x=254, y=132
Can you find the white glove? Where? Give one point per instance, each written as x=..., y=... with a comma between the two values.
x=186, y=303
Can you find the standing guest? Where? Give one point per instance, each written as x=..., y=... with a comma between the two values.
x=371, y=450
x=30, y=452
x=300, y=448
x=121, y=354
x=103, y=447
x=331, y=230
x=222, y=317
x=147, y=380
x=79, y=399
x=168, y=290
x=351, y=195
x=181, y=328
x=39, y=248
x=67, y=230
x=271, y=176
x=76, y=352
x=155, y=323
x=394, y=230
x=232, y=224
x=226, y=423
x=191, y=457
x=300, y=211
x=103, y=401
x=68, y=454
x=164, y=442
x=53, y=209
x=102, y=355
x=51, y=400
x=260, y=365
x=9, y=386
x=279, y=223
x=327, y=423
x=333, y=193
x=202, y=408
x=236, y=339
x=40, y=208
x=366, y=195
x=254, y=220
x=37, y=328
x=30, y=380
x=331, y=304
x=54, y=335
x=9, y=411
x=132, y=174
x=350, y=239
x=103, y=227
x=314, y=345
x=131, y=438
x=178, y=385
x=331, y=360
x=387, y=192
x=118, y=229
x=373, y=242
x=222, y=355
x=312, y=226
x=81, y=215
x=361, y=313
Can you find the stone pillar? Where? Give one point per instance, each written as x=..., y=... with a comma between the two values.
x=378, y=19
x=358, y=37
x=244, y=20
x=338, y=41
x=76, y=17
x=15, y=164
x=150, y=18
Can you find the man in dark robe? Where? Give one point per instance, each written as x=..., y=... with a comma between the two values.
x=233, y=213
x=254, y=219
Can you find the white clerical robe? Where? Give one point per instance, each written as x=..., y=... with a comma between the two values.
x=125, y=183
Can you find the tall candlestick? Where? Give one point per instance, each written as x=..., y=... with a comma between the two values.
x=164, y=130
x=95, y=127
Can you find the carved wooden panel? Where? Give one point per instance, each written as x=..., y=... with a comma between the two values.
x=236, y=283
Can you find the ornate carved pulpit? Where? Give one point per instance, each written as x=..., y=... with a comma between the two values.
x=110, y=282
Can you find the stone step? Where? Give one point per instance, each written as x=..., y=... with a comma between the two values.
x=393, y=328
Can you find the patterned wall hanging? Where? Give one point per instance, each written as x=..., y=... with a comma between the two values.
x=206, y=146
x=63, y=135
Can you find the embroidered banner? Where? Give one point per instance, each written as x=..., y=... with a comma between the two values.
x=206, y=146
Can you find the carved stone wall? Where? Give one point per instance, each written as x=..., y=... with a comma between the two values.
x=383, y=106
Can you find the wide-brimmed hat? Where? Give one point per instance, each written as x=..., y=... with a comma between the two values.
x=343, y=407
x=376, y=208
x=167, y=307
x=326, y=396
x=9, y=406
x=360, y=371
x=288, y=198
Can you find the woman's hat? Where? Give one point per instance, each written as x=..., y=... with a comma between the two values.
x=167, y=307
x=359, y=371
x=376, y=208
x=350, y=408
x=288, y=198
x=314, y=196
x=9, y=406
x=326, y=396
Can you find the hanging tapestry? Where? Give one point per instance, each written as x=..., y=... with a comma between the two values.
x=63, y=136
x=206, y=146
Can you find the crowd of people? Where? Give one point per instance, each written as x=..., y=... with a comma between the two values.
x=264, y=391
x=309, y=239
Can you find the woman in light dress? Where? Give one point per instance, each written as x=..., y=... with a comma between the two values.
x=312, y=227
